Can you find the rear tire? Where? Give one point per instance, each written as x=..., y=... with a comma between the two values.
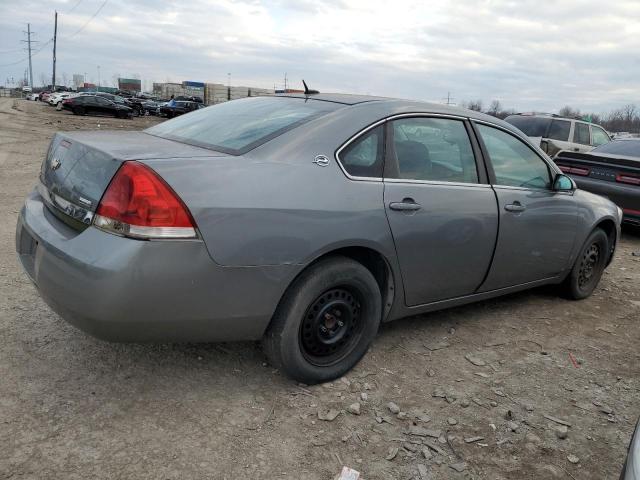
x=588, y=267
x=325, y=322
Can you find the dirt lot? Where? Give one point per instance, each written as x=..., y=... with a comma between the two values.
x=72, y=407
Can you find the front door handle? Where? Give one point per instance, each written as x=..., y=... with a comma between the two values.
x=515, y=207
x=406, y=205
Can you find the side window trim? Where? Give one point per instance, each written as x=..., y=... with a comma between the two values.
x=553, y=170
x=480, y=167
x=355, y=138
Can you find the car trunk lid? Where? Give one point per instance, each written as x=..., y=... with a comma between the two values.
x=79, y=166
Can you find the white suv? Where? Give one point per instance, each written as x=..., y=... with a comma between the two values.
x=560, y=133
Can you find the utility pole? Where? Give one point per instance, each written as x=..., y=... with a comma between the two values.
x=28, y=41
x=55, y=35
x=450, y=99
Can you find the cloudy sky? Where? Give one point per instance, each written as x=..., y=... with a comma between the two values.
x=529, y=54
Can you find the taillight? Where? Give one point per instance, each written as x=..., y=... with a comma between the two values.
x=138, y=203
x=574, y=170
x=66, y=100
x=626, y=178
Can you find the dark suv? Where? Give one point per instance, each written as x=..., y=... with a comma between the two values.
x=560, y=133
x=180, y=108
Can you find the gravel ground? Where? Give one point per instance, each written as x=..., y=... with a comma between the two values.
x=482, y=389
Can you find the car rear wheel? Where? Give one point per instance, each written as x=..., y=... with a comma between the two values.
x=325, y=321
x=589, y=266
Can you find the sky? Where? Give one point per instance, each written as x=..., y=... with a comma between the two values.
x=529, y=54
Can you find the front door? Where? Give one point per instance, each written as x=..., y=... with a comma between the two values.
x=537, y=224
x=442, y=215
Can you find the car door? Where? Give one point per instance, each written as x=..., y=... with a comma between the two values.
x=440, y=207
x=581, y=137
x=537, y=224
x=558, y=136
x=598, y=136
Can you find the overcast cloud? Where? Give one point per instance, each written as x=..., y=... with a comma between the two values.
x=531, y=55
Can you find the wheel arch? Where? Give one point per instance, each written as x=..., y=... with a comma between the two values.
x=373, y=260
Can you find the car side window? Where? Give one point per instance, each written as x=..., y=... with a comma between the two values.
x=599, y=136
x=363, y=157
x=559, y=130
x=581, y=133
x=432, y=149
x=514, y=163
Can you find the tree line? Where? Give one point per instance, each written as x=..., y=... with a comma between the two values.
x=624, y=119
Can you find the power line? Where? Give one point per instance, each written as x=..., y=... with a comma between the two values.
x=88, y=21
x=10, y=51
x=74, y=7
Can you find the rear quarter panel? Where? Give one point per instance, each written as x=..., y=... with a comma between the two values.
x=274, y=206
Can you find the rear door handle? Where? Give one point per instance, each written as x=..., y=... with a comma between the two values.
x=515, y=207
x=406, y=205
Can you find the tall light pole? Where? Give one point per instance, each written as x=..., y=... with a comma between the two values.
x=98, y=77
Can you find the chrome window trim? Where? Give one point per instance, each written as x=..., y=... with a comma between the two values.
x=358, y=134
x=436, y=182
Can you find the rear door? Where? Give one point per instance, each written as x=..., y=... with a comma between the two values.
x=537, y=224
x=440, y=207
x=581, y=137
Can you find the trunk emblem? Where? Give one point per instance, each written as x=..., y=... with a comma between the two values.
x=321, y=160
x=55, y=164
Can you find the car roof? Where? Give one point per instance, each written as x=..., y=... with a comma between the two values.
x=399, y=105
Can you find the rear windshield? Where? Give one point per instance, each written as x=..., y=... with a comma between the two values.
x=629, y=148
x=530, y=126
x=238, y=126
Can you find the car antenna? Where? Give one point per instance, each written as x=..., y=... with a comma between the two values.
x=306, y=89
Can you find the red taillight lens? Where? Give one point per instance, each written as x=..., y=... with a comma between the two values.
x=574, y=170
x=139, y=203
x=626, y=178
x=66, y=100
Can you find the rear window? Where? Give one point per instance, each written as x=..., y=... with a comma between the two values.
x=629, y=148
x=240, y=125
x=530, y=126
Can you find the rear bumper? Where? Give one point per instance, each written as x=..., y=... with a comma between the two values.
x=626, y=197
x=120, y=289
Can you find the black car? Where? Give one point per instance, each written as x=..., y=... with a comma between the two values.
x=611, y=170
x=97, y=105
x=180, y=108
x=133, y=103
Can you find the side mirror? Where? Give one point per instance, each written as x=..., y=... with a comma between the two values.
x=562, y=183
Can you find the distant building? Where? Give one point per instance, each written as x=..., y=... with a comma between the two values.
x=130, y=84
x=78, y=80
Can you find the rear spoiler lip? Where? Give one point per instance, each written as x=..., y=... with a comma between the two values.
x=606, y=159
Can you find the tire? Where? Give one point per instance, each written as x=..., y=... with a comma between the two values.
x=79, y=110
x=325, y=322
x=588, y=267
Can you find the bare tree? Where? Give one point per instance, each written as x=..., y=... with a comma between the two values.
x=495, y=108
x=475, y=105
x=569, y=112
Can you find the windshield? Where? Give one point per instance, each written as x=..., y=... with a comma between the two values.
x=629, y=148
x=530, y=126
x=240, y=125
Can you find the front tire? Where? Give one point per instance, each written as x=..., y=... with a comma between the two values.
x=325, y=321
x=589, y=266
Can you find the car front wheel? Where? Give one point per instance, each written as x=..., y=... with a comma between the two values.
x=325, y=321
x=589, y=266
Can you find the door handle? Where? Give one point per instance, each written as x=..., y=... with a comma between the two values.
x=515, y=207
x=406, y=205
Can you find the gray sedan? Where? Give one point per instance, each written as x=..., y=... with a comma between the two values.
x=303, y=221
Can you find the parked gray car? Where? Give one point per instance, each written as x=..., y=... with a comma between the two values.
x=303, y=221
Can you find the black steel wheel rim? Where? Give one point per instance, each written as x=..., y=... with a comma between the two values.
x=331, y=326
x=589, y=265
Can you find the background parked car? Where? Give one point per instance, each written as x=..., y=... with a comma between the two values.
x=97, y=105
x=560, y=133
x=33, y=96
x=133, y=103
x=611, y=170
x=180, y=108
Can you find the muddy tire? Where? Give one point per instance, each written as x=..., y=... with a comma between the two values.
x=325, y=322
x=588, y=267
